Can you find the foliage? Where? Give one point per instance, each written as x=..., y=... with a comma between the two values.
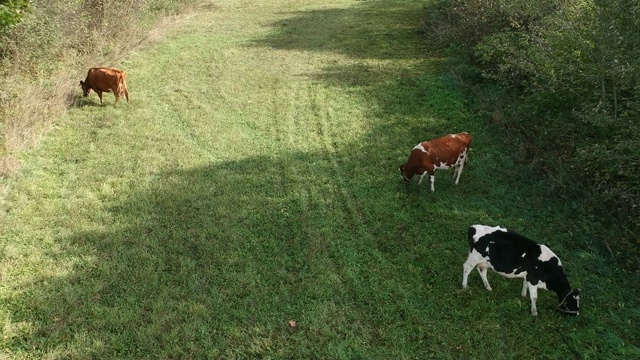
x=467, y=23
x=571, y=71
x=12, y=12
x=59, y=30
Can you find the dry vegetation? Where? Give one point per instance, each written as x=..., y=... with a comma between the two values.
x=45, y=56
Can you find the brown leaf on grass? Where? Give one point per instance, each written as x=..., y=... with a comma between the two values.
x=292, y=323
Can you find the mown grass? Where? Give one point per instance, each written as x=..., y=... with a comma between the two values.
x=252, y=180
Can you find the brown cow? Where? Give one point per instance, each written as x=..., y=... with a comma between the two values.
x=105, y=80
x=441, y=153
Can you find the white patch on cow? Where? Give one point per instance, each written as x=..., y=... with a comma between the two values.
x=482, y=230
x=441, y=166
x=541, y=285
x=461, y=158
x=475, y=259
x=476, y=256
x=513, y=275
x=546, y=254
x=421, y=177
x=523, y=255
x=421, y=148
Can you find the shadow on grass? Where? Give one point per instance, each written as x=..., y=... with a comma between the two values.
x=371, y=30
x=80, y=101
x=388, y=62
x=213, y=262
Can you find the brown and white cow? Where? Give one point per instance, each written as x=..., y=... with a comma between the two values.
x=442, y=153
x=105, y=80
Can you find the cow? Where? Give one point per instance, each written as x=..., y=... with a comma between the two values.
x=105, y=80
x=441, y=153
x=515, y=256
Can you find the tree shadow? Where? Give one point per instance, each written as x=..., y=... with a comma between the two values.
x=214, y=261
x=371, y=30
x=389, y=63
x=200, y=260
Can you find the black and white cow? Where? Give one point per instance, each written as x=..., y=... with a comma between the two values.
x=514, y=256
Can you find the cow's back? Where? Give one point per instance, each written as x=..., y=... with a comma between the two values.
x=104, y=79
x=448, y=148
x=506, y=249
x=104, y=75
x=94, y=75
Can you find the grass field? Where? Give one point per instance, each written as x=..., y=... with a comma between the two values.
x=252, y=181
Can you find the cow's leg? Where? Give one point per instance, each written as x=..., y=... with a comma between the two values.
x=100, y=96
x=421, y=177
x=533, y=293
x=460, y=166
x=482, y=269
x=525, y=286
x=432, y=179
x=116, y=93
x=466, y=270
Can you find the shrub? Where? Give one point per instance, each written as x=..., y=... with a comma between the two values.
x=565, y=75
x=12, y=12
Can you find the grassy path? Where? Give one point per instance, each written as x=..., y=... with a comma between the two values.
x=252, y=181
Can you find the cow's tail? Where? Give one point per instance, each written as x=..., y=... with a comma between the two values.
x=467, y=145
x=122, y=85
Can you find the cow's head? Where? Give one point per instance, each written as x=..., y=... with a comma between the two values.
x=406, y=178
x=571, y=303
x=86, y=89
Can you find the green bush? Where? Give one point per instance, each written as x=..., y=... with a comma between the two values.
x=566, y=84
x=12, y=12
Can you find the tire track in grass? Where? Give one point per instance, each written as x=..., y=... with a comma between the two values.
x=326, y=116
x=358, y=260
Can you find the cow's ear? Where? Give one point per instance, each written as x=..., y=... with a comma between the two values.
x=576, y=291
x=81, y=82
x=401, y=168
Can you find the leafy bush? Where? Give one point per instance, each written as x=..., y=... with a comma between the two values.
x=12, y=12
x=568, y=75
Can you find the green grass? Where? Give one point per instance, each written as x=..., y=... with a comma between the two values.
x=252, y=180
